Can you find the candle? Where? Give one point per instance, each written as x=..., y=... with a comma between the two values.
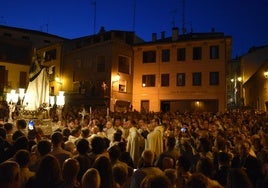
x=107, y=112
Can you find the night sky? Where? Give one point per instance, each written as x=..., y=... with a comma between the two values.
x=245, y=20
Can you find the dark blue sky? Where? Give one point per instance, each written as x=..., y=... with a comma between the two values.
x=245, y=20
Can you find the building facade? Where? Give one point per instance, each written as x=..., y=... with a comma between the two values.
x=16, y=51
x=181, y=73
x=97, y=70
x=254, y=67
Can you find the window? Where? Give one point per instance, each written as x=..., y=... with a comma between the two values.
x=181, y=54
x=164, y=80
x=149, y=56
x=122, y=87
x=123, y=64
x=148, y=80
x=214, y=78
x=180, y=79
x=214, y=52
x=197, y=53
x=101, y=64
x=166, y=55
x=51, y=55
x=197, y=78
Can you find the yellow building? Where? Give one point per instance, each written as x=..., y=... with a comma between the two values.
x=181, y=73
x=97, y=70
x=254, y=67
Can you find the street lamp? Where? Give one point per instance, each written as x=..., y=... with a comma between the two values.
x=265, y=74
x=60, y=101
x=115, y=79
x=236, y=80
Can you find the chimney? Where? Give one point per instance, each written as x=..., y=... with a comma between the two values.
x=154, y=37
x=175, y=34
x=163, y=35
x=212, y=30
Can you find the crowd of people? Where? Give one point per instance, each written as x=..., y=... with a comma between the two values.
x=137, y=150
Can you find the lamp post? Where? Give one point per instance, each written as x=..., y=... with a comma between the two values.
x=60, y=101
x=12, y=99
x=115, y=80
x=236, y=80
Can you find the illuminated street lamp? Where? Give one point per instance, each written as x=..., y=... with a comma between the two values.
x=12, y=100
x=60, y=101
x=115, y=79
x=236, y=80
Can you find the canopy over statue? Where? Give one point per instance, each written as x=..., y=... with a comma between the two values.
x=37, y=92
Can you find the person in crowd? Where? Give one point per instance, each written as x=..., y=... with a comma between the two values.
x=10, y=175
x=109, y=130
x=155, y=138
x=9, y=127
x=147, y=168
x=104, y=166
x=57, y=148
x=114, y=154
x=22, y=157
x=84, y=160
x=117, y=137
x=91, y=178
x=21, y=125
x=134, y=141
x=156, y=181
x=248, y=162
x=70, y=171
x=237, y=178
x=75, y=134
x=172, y=176
x=170, y=152
x=49, y=174
x=120, y=176
x=183, y=166
x=223, y=168
x=43, y=148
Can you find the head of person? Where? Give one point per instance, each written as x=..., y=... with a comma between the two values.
x=91, y=178
x=148, y=157
x=70, y=171
x=22, y=157
x=10, y=174
x=82, y=146
x=98, y=145
x=49, y=172
x=21, y=124
x=57, y=138
x=43, y=147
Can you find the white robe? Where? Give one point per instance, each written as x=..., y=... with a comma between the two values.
x=37, y=92
x=155, y=141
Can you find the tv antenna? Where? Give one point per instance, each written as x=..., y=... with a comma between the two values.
x=134, y=15
x=95, y=15
x=183, y=17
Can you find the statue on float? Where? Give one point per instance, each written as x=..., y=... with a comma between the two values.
x=37, y=93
